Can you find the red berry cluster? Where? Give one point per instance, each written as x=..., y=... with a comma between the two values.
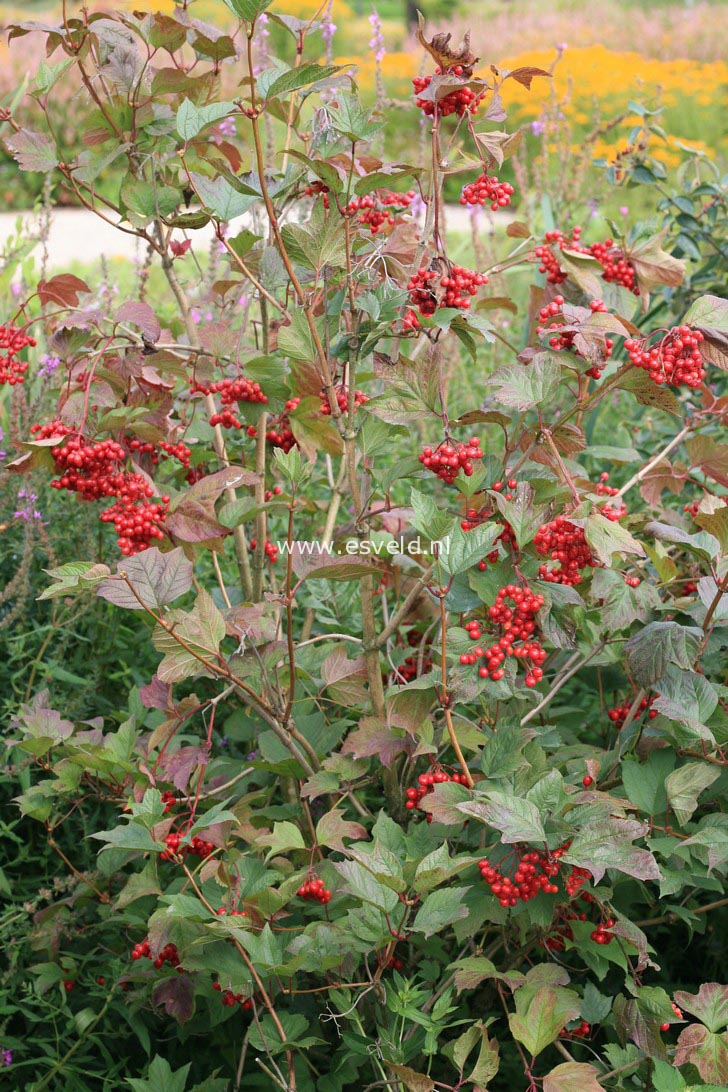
x=675, y=359
x=169, y=800
x=561, y=931
x=534, y=872
x=581, y=1031
x=342, y=397
x=168, y=954
x=230, y=999
x=564, y=542
x=613, y=512
x=279, y=432
x=68, y=984
x=410, y=322
x=395, y=964
x=487, y=190
x=379, y=208
x=517, y=624
x=601, y=934
x=271, y=550
x=678, y=1012
x=410, y=668
x=459, y=284
x=12, y=342
x=616, y=267
x=274, y=492
x=178, y=451
x=318, y=189
x=234, y=913
x=314, y=890
x=86, y=467
x=692, y=508
x=198, y=847
x=92, y=469
x=460, y=101
x=618, y=713
x=447, y=460
x=232, y=392
x=549, y=262
x=576, y=879
x=136, y=525
x=553, y=323
x=689, y=587
x=426, y=784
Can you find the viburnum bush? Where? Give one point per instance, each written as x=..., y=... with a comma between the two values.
x=427, y=789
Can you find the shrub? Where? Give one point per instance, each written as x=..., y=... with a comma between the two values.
x=425, y=787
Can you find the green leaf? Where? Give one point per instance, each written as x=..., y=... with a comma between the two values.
x=524, y=386
x=74, y=576
x=366, y=887
x=320, y=242
x=644, y=782
x=650, y=652
x=300, y=77
x=595, y=1006
x=225, y=201
x=463, y=549
x=351, y=120
x=264, y=948
x=201, y=630
x=296, y=340
x=129, y=836
x=607, y=538
x=249, y=10
x=191, y=119
x=517, y=819
x=430, y=519
x=145, y=201
x=702, y=545
x=708, y=312
x=524, y=518
x=712, y=516
x=161, y=1078
x=540, y=1017
x=284, y=836
x=687, y=698
x=620, y=605
x=439, y=909
x=684, y=785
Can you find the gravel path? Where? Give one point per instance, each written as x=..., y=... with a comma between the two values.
x=79, y=236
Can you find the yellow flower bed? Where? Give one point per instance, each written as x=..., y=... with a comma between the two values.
x=595, y=72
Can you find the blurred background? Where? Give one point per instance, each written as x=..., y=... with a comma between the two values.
x=613, y=61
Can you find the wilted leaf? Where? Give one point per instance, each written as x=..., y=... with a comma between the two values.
x=705, y=1050
x=709, y=1004
x=607, y=843
x=157, y=579
x=176, y=994
x=33, y=151
x=572, y=1077
x=684, y=786
x=650, y=652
